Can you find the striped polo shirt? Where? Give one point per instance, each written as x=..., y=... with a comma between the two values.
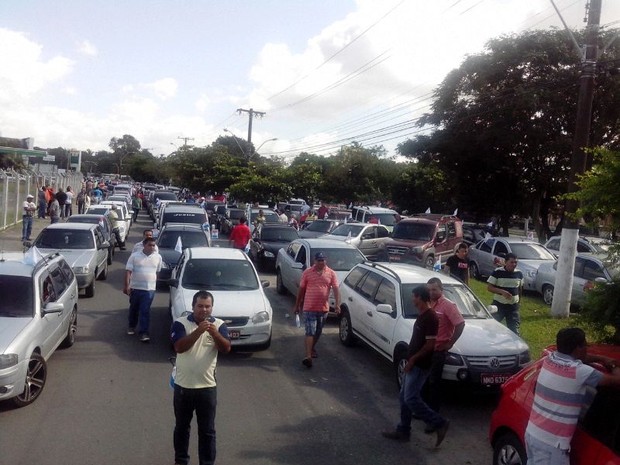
x=144, y=269
x=317, y=287
x=508, y=281
x=560, y=393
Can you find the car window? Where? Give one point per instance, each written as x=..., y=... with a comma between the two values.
x=553, y=244
x=58, y=279
x=466, y=301
x=592, y=270
x=341, y=259
x=531, y=251
x=582, y=247
x=64, y=239
x=319, y=226
x=468, y=235
x=382, y=232
x=219, y=274
x=346, y=229
x=292, y=249
x=168, y=239
x=368, y=286
x=66, y=271
x=301, y=256
x=354, y=276
x=386, y=294
x=48, y=294
x=451, y=230
x=599, y=423
x=279, y=234
x=369, y=233
x=487, y=245
x=500, y=249
x=22, y=296
x=413, y=231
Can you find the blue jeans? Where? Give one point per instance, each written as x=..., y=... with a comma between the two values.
x=140, y=306
x=411, y=402
x=204, y=402
x=511, y=313
x=26, y=227
x=540, y=453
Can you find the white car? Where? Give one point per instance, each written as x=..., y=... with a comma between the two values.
x=123, y=221
x=239, y=298
x=121, y=207
x=378, y=309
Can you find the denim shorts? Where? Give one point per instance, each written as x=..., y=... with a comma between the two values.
x=313, y=322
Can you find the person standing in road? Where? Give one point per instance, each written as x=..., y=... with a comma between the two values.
x=419, y=360
x=313, y=299
x=451, y=325
x=197, y=339
x=240, y=235
x=69, y=202
x=80, y=200
x=140, y=284
x=323, y=212
x=42, y=201
x=136, y=204
x=29, y=207
x=457, y=265
x=54, y=210
x=506, y=283
x=61, y=196
x=140, y=245
x=560, y=395
x=113, y=215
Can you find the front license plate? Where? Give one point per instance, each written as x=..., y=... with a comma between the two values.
x=234, y=334
x=395, y=258
x=493, y=378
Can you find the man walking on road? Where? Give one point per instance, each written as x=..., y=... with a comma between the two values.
x=506, y=283
x=419, y=360
x=240, y=235
x=197, y=339
x=313, y=299
x=140, y=284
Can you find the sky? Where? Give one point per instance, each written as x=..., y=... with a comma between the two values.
x=75, y=73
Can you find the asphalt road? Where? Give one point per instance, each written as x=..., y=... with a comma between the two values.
x=107, y=398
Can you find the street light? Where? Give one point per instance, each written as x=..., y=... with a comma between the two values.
x=237, y=141
x=268, y=140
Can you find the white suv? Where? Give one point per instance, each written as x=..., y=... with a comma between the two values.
x=377, y=307
x=38, y=312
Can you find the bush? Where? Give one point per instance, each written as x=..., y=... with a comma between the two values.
x=602, y=310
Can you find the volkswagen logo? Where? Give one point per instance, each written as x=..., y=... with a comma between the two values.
x=494, y=362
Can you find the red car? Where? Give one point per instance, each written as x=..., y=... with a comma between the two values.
x=597, y=438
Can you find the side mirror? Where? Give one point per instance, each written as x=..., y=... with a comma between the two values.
x=173, y=282
x=52, y=307
x=384, y=308
x=601, y=280
x=265, y=283
x=492, y=309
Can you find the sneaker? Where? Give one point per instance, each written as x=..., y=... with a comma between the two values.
x=144, y=337
x=396, y=435
x=131, y=331
x=441, y=433
x=307, y=362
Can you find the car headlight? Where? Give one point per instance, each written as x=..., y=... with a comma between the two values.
x=268, y=254
x=524, y=357
x=8, y=360
x=260, y=317
x=81, y=269
x=417, y=250
x=454, y=359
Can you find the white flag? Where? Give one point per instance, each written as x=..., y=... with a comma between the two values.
x=428, y=210
x=32, y=257
x=179, y=246
x=456, y=212
x=348, y=239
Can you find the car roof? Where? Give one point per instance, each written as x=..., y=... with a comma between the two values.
x=187, y=207
x=516, y=239
x=12, y=263
x=71, y=226
x=325, y=244
x=216, y=253
x=89, y=216
x=181, y=227
x=410, y=273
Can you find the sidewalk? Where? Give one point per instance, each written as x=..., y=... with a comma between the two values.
x=10, y=238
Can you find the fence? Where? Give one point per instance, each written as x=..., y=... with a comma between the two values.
x=15, y=186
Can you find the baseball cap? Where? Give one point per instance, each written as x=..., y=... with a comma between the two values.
x=319, y=256
x=30, y=196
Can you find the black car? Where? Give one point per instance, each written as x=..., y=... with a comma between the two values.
x=172, y=239
x=106, y=227
x=267, y=241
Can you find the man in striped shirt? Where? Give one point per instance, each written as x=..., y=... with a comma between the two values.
x=312, y=298
x=560, y=395
x=506, y=283
x=140, y=283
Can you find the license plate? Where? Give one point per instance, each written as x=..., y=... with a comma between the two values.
x=395, y=258
x=234, y=334
x=493, y=378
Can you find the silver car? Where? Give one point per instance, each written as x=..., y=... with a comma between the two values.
x=369, y=238
x=39, y=316
x=84, y=248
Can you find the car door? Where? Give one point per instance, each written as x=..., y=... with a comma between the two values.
x=590, y=271
x=368, y=241
x=361, y=303
x=287, y=263
x=302, y=258
x=100, y=252
x=484, y=257
x=383, y=324
x=54, y=288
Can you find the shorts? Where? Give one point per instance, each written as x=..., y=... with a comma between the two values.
x=313, y=322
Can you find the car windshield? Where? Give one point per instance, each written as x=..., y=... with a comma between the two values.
x=319, y=226
x=279, y=234
x=21, y=302
x=270, y=217
x=178, y=217
x=340, y=259
x=168, y=239
x=468, y=305
x=219, y=275
x=386, y=219
x=165, y=196
x=97, y=211
x=65, y=239
x=413, y=231
x=525, y=251
x=345, y=229
x=236, y=214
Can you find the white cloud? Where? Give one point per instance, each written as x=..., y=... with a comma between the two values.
x=164, y=88
x=87, y=48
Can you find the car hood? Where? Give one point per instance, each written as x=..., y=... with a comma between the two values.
x=528, y=265
x=9, y=329
x=74, y=257
x=353, y=240
x=274, y=246
x=228, y=303
x=488, y=337
x=170, y=256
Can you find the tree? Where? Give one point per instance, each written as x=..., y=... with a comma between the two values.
x=123, y=148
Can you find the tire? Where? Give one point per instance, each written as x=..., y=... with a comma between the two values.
x=104, y=274
x=400, y=360
x=429, y=263
x=279, y=284
x=345, y=329
x=547, y=294
x=69, y=339
x=508, y=450
x=474, y=272
x=90, y=290
x=35, y=381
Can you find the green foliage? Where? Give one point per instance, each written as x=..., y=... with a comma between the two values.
x=602, y=310
x=123, y=148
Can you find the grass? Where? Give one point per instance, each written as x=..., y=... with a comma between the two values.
x=538, y=327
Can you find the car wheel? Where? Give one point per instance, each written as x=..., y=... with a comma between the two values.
x=35, y=381
x=508, y=450
x=474, y=272
x=104, y=274
x=345, y=329
x=90, y=289
x=279, y=284
x=69, y=339
x=430, y=262
x=547, y=293
x=400, y=360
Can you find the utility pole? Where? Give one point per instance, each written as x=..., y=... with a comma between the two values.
x=251, y=113
x=185, y=139
x=570, y=232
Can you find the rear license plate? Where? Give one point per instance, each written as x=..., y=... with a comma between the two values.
x=486, y=378
x=234, y=334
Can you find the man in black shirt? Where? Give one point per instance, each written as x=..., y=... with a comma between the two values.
x=457, y=265
x=419, y=360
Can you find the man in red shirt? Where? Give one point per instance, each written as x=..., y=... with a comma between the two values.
x=240, y=235
x=312, y=298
